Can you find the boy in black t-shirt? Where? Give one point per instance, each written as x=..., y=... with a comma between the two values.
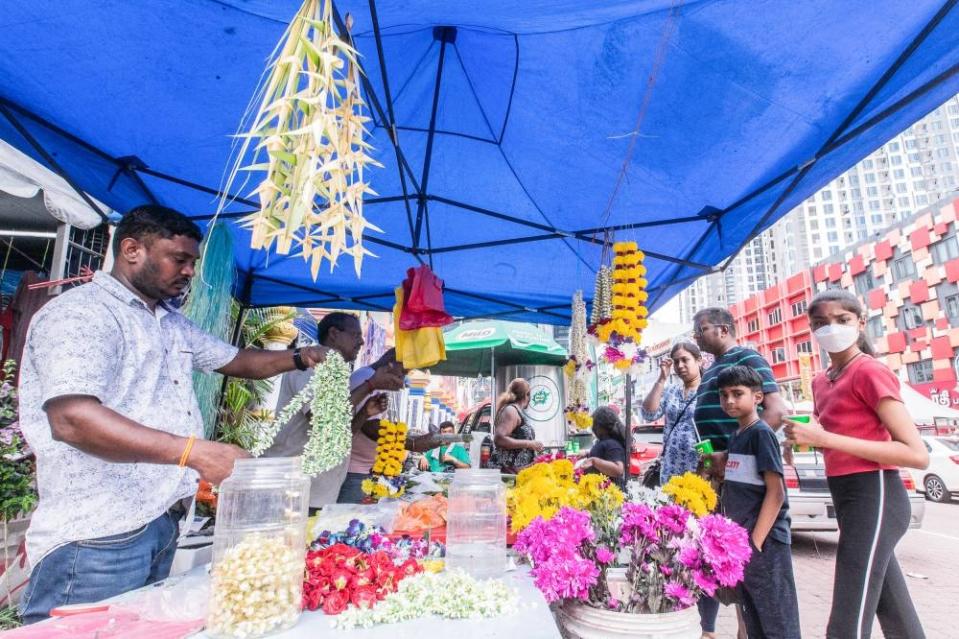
x=754, y=496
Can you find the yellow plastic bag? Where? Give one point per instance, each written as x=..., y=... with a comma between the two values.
x=421, y=348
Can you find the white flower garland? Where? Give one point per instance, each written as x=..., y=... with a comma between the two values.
x=328, y=394
x=452, y=594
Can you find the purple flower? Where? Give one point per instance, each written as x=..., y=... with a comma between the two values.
x=604, y=555
x=680, y=594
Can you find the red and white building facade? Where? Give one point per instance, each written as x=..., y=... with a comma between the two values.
x=908, y=280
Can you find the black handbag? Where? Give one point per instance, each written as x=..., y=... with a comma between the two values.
x=651, y=475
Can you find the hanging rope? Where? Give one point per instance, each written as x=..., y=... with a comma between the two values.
x=668, y=28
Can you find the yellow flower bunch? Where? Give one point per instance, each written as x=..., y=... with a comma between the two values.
x=542, y=489
x=578, y=418
x=390, y=453
x=379, y=487
x=692, y=492
x=390, y=448
x=596, y=491
x=629, y=292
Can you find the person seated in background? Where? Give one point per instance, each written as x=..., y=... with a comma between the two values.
x=608, y=454
x=445, y=459
x=363, y=452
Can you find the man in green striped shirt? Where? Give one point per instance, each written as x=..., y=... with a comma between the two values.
x=715, y=332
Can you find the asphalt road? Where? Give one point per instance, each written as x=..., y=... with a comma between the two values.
x=929, y=556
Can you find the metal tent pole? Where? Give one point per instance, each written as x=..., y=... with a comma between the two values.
x=629, y=424
x=492, y=388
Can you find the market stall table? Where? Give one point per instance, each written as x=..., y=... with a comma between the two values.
x=533, y=620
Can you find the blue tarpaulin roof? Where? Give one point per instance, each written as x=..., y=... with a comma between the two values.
x=524, y=128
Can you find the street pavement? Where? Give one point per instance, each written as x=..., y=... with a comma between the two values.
x=929, y=557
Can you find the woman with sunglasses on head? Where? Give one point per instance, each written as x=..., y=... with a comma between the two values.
x=866, y=435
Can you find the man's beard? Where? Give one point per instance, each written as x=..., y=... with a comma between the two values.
x=145, y=282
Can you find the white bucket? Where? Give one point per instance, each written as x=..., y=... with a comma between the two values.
x=580, y=621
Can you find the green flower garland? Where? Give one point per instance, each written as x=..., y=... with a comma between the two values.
x=328, y=395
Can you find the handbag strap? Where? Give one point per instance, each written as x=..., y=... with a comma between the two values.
x=679, y=418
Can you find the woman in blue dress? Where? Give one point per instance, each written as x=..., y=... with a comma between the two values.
x=677, y=401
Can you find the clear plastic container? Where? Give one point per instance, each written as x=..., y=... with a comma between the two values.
x=476, y=523
x=259, y=548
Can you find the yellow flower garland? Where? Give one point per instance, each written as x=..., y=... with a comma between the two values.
x=629, y=292
x=388, y=464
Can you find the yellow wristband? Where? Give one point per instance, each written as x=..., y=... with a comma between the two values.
x=186, y=451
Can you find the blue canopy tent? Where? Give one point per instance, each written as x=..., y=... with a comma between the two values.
x=525, y=133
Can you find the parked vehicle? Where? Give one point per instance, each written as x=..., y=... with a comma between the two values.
x=810, y=504
x=940, y=482
x=647, y=447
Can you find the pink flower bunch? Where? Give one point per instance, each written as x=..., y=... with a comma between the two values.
x=560, y=569
x=604, y=555
x=672, y=563
x=679, y=593
x=725, y=548
x=639, y=524
x=672, y=518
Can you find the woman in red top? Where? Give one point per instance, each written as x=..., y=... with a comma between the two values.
x=866, y=434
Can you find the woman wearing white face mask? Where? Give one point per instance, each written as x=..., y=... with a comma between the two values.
x=866, y=434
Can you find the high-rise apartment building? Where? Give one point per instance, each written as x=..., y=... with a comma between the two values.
x=916, y=168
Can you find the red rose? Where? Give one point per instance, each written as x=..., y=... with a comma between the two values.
x=312, y=599
x=336, y=602
x=365, y=577
x=364, y=597
x=341, y=578
x=324, y=585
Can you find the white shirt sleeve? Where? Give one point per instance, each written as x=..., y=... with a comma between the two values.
x=209, y=353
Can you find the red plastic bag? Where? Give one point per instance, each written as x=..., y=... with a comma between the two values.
x=423, y=304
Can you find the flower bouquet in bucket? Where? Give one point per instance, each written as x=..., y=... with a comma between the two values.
x=636, y=569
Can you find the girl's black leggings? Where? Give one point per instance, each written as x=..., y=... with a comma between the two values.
x=873, y=512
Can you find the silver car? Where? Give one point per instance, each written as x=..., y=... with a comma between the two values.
x=810, y=504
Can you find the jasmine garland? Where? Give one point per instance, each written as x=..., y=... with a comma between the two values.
x=452, y=595
x=328, y=395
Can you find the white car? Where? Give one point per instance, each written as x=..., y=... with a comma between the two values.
x=940, y=482
x=810, y=504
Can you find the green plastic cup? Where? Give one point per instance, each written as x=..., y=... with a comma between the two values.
x=802, y=419
x=705, y=448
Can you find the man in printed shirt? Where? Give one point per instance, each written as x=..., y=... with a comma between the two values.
x=107, y=404
x=715, y=333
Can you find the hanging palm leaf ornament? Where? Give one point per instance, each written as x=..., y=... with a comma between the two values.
x=307, y=140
